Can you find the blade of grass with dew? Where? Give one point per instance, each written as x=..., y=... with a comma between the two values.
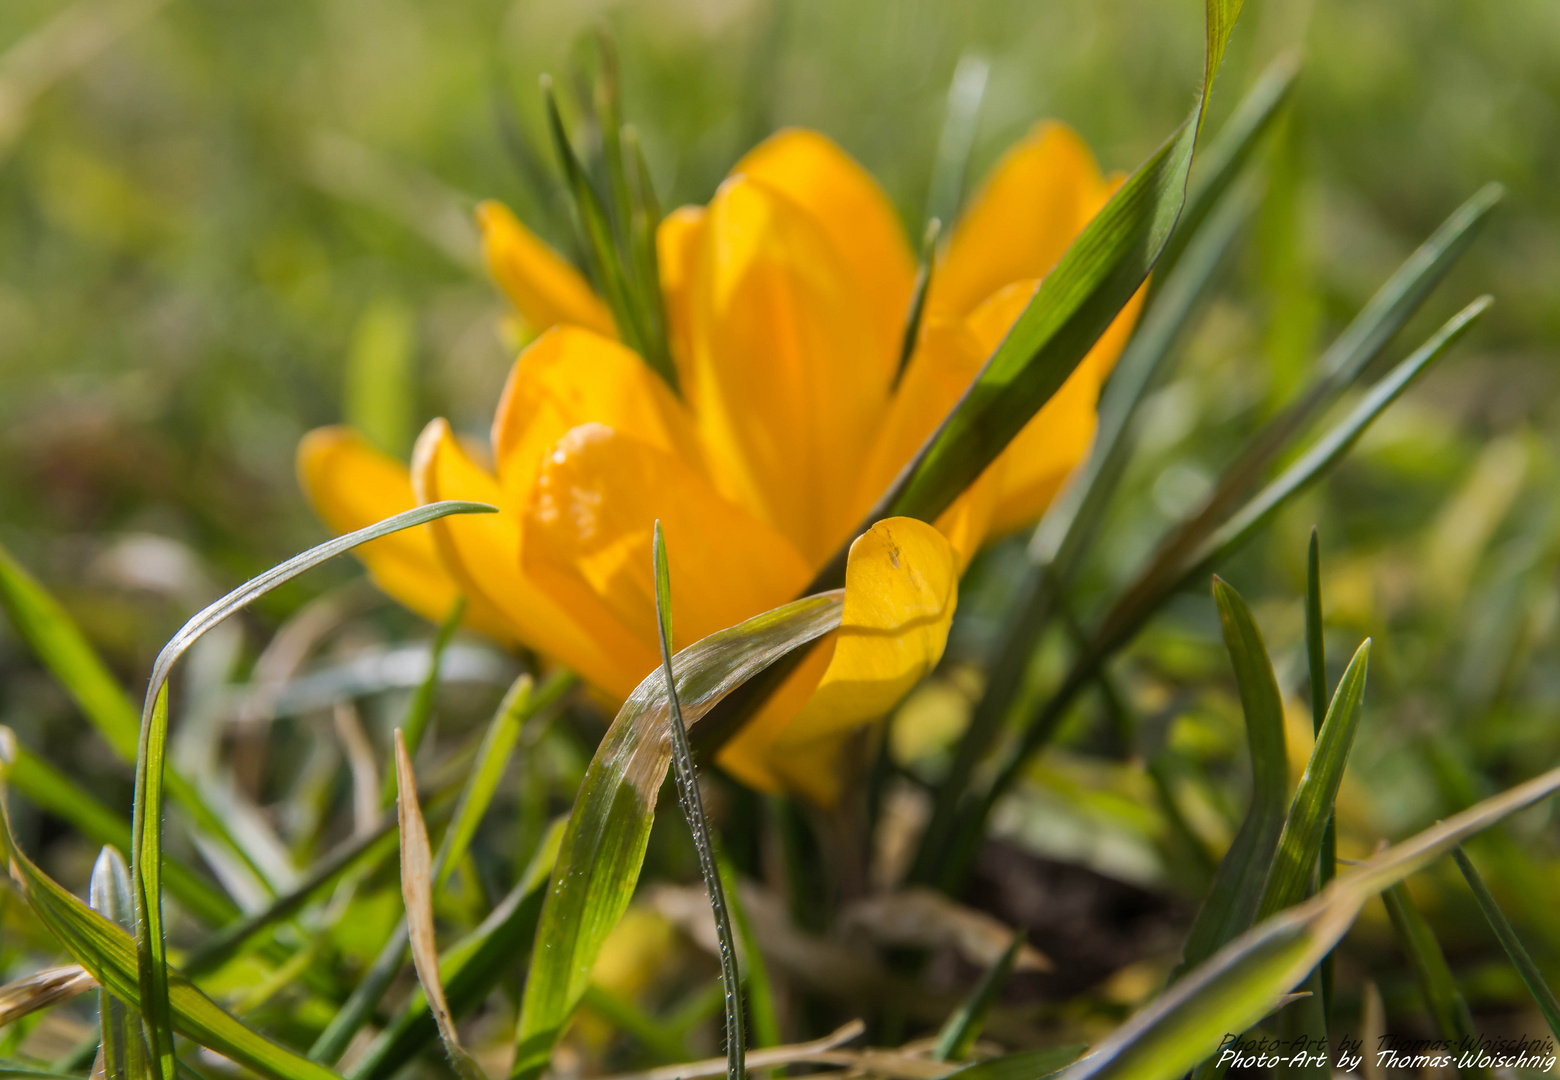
x=1094, y=280
x=1233, y=900
x=146, y=819
x=471, y=967
x=957, y=138
x=62, y=648
x=961, y=1030
x=417, y=893
x=1140, y=600
x=1250, y=976
x=109, y=893
x=1447, y=1007
x=111, y=955
x=1543, y=997
x=1067, y=529
x=419, y=708
x=755, y=979
x=609, y=827
x=1316, y=665
x=1300, y=847
x=698, y=825
x=523, y=701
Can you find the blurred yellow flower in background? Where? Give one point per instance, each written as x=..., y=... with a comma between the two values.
x=786, y=301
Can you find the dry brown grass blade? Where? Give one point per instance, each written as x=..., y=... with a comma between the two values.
x=417, y=892
x=42, y=989
x=929, y=919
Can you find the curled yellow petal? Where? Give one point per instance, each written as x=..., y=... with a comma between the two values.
x=484, y=557
x=814, y=173
x=568, y=377
x=789, y=380
x=545, y=288
x=901, y=588
x=588, y=530
x=351, y=485
x=1032, y=206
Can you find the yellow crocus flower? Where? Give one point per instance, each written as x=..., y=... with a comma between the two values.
x=786, y=299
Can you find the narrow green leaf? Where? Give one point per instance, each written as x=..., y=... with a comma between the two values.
x=111, y=955
x=1233, y=900
x=957, y=138
x=1300, y=847
x=1531, y=976
x=1026, y=1065
x=146, y=820
x=960, y=1031
x=1316, y=662
x=122, y=1047
x=1447, y=1008
x=521, y=704
x=760, y=990
x=1250, y=976
x=417, y=893
x=419, y=707
x=693, y=809
x=604, y=843
x=471, y=967
x=923, y=284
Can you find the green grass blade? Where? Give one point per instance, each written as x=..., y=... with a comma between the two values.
x=698, y=825
x=122, y=1047
x=957, y=138
x=923, y=284
x=59, y=643
x=1543, y=997
x=521, y=704
x=960, y=1031
x=760, y=990
x=1026, y=1065
x=1316, y=663
x=111, y=955
x=1250, y=976
x=1233, y=900
x=146, y=820
x=604, y=844
x=1447, y=1008
x=419, y=707
x=1300, y=848
x=663, y=1044
x=471, y=967
x=417, y=893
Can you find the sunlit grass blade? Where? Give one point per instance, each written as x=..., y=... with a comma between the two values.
x=1152, y=588
x=146, y=819
x=109, y=893
x=698, y=825
x=1300, y=848
x=59, y=643
x=1543, y=997
x=53, y=791
x=419, y=707
x=1447, y=1007
x=417, y=893
x=111, y=955
x=470, y=968
x=957, y=138
x=604, y=844
x=1233, y=900
x=1070, y=523
x=961, y=1030
x=1251, y=975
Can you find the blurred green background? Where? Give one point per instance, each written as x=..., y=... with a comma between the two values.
x=224, y=223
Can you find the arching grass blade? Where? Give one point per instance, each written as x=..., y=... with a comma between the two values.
x=1543, y=997
x=1447, y=1008
x=961, y=1030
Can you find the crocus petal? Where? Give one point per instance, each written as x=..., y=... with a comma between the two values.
x=483, y=553
x=1032, y=206
x=901, y=588
x=676, y=248
x=568, y=377
x=545, y=288
x=588, y=531
x=789, y=380
x=843, y=198
x=351, y=485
